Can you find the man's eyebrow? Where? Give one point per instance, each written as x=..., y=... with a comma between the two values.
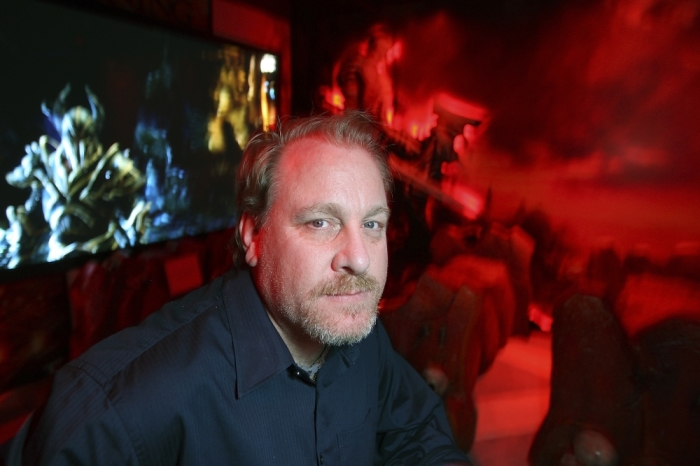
x=379, y=210
x=327, y=208
x=335, y=210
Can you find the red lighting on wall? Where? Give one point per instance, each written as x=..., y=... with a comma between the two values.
x=452, y=184
x=333, y=97
x=394, y=52
x=417, y=120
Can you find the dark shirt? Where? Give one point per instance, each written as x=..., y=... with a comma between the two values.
x=208, y=380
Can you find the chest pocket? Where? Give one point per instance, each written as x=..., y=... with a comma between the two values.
x=357, y=445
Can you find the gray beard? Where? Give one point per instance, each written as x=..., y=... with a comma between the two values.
x=319, y=325
x=329, y=336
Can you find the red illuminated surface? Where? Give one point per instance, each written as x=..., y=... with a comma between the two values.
x=334, y=97
x=594, y=115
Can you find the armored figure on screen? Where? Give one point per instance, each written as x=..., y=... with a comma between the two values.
x=236, y=116
x=83, y=199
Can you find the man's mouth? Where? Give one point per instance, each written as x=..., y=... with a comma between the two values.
x=348, y=286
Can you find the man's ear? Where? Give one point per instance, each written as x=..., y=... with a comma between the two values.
x=249, y=236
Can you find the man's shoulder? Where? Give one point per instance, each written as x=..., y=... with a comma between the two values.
x=168, y=331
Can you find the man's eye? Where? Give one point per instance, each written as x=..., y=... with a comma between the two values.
x=372, y=225
x=319, y=223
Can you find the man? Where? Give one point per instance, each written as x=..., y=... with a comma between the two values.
x=278, y=362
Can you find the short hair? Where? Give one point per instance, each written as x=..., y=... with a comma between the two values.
x=256, y=176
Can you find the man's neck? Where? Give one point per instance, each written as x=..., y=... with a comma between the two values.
x=305, y=350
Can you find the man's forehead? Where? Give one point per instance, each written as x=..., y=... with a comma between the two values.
x=324, y=159
x=315, y=166
x=309, y=147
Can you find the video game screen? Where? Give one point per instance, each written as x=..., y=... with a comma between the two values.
x=115, y=133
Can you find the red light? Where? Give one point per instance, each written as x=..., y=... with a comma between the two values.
x=394, y=53
x=334, y=97
x=471, y=202
x=338, y=100
x=460, y=107
x=458, y=144
x=543, y=320
x=363, y=49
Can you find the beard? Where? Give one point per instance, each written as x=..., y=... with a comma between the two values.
x=331, y=327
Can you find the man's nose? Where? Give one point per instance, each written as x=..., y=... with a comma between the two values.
x=352, y=255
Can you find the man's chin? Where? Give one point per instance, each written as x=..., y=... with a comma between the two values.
x=344, y=333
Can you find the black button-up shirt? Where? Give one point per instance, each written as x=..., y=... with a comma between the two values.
x=208, y=380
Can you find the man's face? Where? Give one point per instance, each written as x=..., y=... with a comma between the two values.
x=320, y=259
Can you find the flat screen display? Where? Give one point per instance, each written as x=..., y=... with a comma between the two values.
x=116, y=133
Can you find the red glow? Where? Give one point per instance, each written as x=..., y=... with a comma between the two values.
x=458, y=144
x=421, y=130
x=469, y=133
x=418, y=120
x=363, y=48
x=542, y=319
x=334, y=97
x=471, y=202
x=591, y=144
x=595, y=133
x=460, y=107
x=394, y=53
x=338, y=100
x=647, y=298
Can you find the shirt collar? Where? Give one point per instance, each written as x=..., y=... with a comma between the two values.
x=338, y=360
x=258, y=349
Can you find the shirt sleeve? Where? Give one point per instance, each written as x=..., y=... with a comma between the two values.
x=413, y=427
x=78, y=426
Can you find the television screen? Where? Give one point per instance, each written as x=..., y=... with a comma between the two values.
x=115, y=133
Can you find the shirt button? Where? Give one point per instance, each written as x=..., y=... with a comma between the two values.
x=320, y=459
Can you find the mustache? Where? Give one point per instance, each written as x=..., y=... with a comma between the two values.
x=347, y=284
